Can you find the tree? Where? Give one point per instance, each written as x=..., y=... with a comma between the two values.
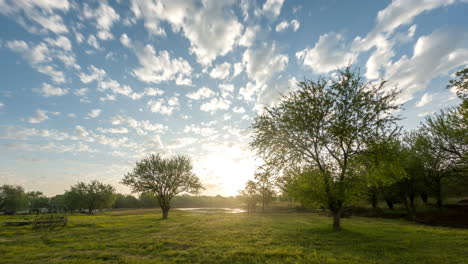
x=125, y=201
x=164, y=177
x=92, y=196
x=12, y=199
x=250, y=195
x=37, y=201
x=324, y=124
x=265, y=185
x=438, y=164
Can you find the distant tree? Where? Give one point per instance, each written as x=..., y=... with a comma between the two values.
x=125, y=201
x=324, y=124
x=148, y=200
x=439, y=165
x=250, y=195
x=57, y=203
x=37, y=201
x=92, y=196
x=12, y=199
x=265, y=183
x=163, y=177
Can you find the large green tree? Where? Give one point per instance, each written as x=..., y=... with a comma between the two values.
x=163, y=177
x=323, y=125
x=91, y=196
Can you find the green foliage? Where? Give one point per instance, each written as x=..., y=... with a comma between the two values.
x=92, y=196
x=323, y=125
x=265, y=185
x=37, y=201
x=12, y=199
x=125, y=201
x=163, y=177
x=250, y=195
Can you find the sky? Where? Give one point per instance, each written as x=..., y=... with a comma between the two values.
x=87, y=88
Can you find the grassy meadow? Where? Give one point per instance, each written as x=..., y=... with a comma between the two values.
x=140, y=236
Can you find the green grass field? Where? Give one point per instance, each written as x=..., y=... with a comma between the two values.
x=139, y=236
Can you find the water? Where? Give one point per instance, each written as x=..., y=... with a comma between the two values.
x=213, y=210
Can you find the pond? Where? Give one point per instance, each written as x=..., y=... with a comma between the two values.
x=213, y=210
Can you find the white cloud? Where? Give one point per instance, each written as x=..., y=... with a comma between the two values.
x=125, y=40
x=48, y=90
x=211, y=28
x=425, y=99
x=294, y=24
x=36, y=16
x=201, y=93
x=60, y=42
x=108, y=97
x=238, y=109
x=329, y=53
x=94, y=113
x=115, y=130
x=272, y=7
x=162, y=106
x=92, y=41
x=153, y=91
x=215, y=104
x=248, y=38
x=57, y=76
x=220, y=71
x=1, y=105
x=41, y=115
x=160, y=67
x=395, y=15
x=282, y=26
x=118, y=88
x=226, y=89
x=263, y=63
x=141, y=127
x=79, y=37
x=248, y=91
x=38, y=56
x=105, y=17
x=95, y=74
x=433, y=56
x=238, y=68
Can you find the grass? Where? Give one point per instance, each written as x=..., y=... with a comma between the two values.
x=140, y=236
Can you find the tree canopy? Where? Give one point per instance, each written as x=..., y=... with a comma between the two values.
x=91, y=196
x=324, y=124
x=164, y=177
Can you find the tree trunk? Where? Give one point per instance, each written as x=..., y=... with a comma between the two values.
x=336, y=219
x=410, y=209
x=424, y=197
x=263, y=204
x=374, y=201
x=389, y=204
x=438, y=193
x=165, y=211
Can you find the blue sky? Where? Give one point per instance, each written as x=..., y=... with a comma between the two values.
x=90, y=87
